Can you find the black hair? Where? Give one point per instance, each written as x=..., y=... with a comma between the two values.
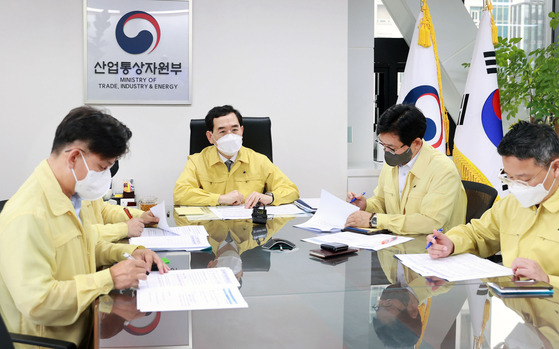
x=527, y=140
x=103, y=134
x=403, y=331
x=217, y=112
x=404, y=120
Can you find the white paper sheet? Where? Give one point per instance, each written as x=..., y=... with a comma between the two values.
x=369, y=242
x=460, y=267
x=188, y=237
x=240, y=212
x=331, y=215
x=159, y=212
x=214, y=288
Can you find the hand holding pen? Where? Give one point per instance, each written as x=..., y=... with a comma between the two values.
x=135, y=225
x=434, y=238
x=126, y=274
x=357, y=200
x=439, y=245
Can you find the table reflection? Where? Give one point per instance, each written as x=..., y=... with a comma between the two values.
x=541, y=323
x=236, y=243
x=368, y=301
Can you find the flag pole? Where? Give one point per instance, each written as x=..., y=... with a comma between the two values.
x=426, y=35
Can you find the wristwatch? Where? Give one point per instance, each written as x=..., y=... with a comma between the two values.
x=373, y=221
x=270, y=194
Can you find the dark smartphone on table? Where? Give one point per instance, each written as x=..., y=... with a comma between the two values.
x=334, y=247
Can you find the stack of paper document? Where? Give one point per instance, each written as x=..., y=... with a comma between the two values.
x=307, y=205
x=460, y=267
x=188, y=237
x=368, y=242
x=331, y=215
x=240, y=212
x=196, y=289
x=189, y=210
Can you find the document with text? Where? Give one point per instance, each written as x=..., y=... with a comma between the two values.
x=240, y=212
x=194, y=289
x=331, y=215
x=368, y=242
x=460, y=267
x=188, y=238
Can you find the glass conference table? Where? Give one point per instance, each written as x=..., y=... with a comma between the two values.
x=364, y=300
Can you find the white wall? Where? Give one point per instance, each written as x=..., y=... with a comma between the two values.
x=282, y=59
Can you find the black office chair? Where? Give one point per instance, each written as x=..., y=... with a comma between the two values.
x=257, y=135
x=8, y=339
x=480, y=198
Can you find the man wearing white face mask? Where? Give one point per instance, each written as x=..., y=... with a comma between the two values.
x=48, y=274
x=228, y=173
x=113, y=224
x=524, y=226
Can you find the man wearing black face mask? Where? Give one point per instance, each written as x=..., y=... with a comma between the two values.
x=419, y=188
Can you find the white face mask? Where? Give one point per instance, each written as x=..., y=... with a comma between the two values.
x=94, y=185
x=528, y=195
x=229, y=144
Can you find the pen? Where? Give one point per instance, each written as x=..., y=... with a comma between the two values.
x=434, y=237
x=352, y=200
x=128, y=213
x=128, y=256
x=388, y=240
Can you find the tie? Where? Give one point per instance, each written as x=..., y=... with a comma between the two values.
x=229, y=163
x=228, y=238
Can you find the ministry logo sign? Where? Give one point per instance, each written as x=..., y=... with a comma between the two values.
x=138, y=52
x=141, y=42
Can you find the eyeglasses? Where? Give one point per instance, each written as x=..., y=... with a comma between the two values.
x=387, y=303
x=387, y=148
x=503, y=177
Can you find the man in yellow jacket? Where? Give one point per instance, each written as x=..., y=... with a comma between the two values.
x=228, y=173
x=112, y=223
x=48, y=261
x=524, y=225
x=419, y=188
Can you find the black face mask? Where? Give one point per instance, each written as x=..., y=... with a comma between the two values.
x=398, y=159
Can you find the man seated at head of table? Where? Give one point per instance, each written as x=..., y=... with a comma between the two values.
x=523, y=226
x=226, y=173
x=419, y=188
x=48, y=277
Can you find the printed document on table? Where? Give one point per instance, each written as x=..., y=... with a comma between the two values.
x=331, y=215
x=368, y=242
x=460, y=267
x=309, y=205
x=195, y=289
x=240, y=212
x=188, y=237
